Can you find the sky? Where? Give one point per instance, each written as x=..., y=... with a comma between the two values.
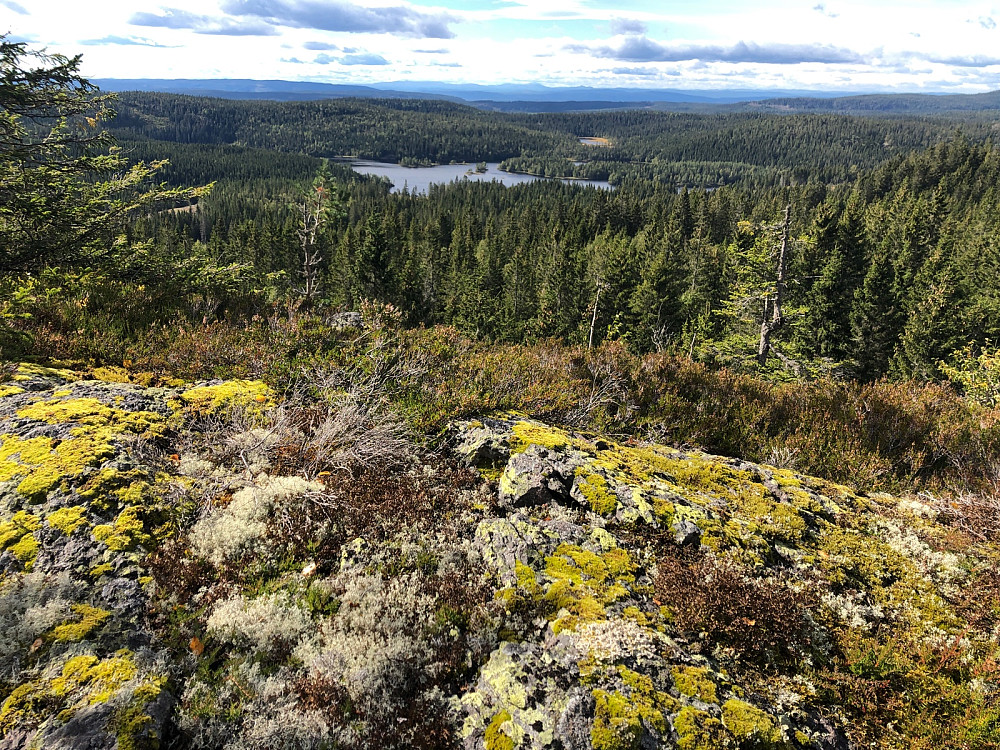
x=917, y=46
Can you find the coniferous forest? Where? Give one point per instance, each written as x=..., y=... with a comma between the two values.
x=889, y=251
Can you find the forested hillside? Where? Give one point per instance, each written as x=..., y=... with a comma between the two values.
x=686, y=149
x=886, y=273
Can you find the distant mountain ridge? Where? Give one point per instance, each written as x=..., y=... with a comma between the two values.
x=540, y=98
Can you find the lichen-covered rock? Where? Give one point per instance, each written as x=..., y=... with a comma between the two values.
x=86, y=494
x=538, y=476
x=177, y=568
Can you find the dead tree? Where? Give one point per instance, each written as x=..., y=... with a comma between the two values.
x=593, y=319
x=314, y=212
x=772, y=304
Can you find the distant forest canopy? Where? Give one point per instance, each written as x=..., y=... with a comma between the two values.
x=686, y=149
x=894, y=238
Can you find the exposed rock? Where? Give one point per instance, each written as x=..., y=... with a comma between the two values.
x=482, y=444
x=345, y=320
x=584, y=595
x=686, y=533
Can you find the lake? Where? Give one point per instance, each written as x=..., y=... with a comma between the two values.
x=418, y=179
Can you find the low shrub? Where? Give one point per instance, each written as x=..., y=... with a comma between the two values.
x=763, y=622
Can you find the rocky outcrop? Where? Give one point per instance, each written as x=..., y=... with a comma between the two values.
x=87, y=493
x=179, y=567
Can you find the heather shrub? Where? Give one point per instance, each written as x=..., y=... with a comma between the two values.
x=762, y=622
x=378, y=506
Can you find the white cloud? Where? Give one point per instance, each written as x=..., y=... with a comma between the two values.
x=831, y=44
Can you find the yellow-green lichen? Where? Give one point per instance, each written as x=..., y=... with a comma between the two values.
x=133, y=726
x=770, y=518
x=694, y=682
x=42, y=462
x=26, y=702
x=752, y=728
x=67, y=520
x=18, y=536
x=526, y=578
x=496, y=738
x=621, y=720
x=208, y=399
x=125, y=533
x=84, y=680
x=854, y=559
x=102, y=569
x=90, y=619
x=27, y=371
x=526, y=434
x=10, y=390
x=583, y=582
x=112, y=374
x=100, y=678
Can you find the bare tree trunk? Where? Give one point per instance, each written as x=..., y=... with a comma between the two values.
x=776, y=321
x=593, y=319
x=314, y=215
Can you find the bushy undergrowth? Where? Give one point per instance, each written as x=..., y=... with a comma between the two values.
x=336, y=610
x=763, y=622
x=879, y=436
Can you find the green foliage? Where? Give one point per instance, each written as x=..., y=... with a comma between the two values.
x=978, y=375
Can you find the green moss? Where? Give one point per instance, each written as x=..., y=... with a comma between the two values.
x=637, y=615
x=694, y=682
x=697, y=730
x=752, y=728
x=90, y=619
x=125, y=533
x=594, y=488
x=495, y=738
x=621, y=721
x=701, y=473
x=67, y=520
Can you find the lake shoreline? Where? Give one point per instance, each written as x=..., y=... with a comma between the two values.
x=419, y=179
